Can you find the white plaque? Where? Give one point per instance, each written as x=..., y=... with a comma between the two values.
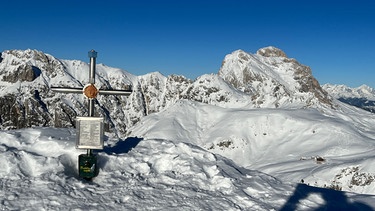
x=90, y=132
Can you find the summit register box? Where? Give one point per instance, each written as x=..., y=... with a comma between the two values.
x=90, y=132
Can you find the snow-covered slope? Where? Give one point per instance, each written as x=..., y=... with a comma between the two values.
x=38, y=172
x=292, y=144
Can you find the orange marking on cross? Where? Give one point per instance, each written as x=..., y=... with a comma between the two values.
x=90, y=91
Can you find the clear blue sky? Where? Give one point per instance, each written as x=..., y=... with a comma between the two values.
x=335, y=38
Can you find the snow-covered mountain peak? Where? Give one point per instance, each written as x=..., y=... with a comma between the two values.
x=271, y=52
x=366, y=90
x=343, y=91
x=361, y=97
x=272, y=79
x=28, y=65
x=27, y=54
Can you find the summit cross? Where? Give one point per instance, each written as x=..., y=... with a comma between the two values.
x=90, y=129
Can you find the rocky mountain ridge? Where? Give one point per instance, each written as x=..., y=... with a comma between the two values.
x=273, y=79
x=265, y=79
x=361, y=97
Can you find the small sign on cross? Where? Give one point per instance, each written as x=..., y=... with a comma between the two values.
x=90, y=128
x=90, y=132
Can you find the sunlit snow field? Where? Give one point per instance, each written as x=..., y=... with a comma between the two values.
x=195, y=156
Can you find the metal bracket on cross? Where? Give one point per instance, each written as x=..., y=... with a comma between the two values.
x=90, y=129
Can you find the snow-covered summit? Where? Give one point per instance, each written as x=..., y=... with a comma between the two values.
x=271, y=52
x=28, y=65
x=273, y=80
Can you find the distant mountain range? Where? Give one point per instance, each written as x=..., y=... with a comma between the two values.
x=267, y=79
x=361, y=97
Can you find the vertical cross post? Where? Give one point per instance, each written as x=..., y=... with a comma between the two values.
x=90, y=129
x=92, y=56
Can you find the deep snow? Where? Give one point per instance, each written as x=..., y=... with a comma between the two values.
x=166, y=169
x=286, y=143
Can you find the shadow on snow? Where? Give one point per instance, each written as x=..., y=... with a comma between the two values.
x=333, y=200
x=123, y=146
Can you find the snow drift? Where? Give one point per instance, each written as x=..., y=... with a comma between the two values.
x=38, y=172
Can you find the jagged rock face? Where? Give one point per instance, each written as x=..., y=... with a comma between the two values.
x=12, y=112
x=272, y=79
x=271, y=52
x=28, y=65
x=265, y=79
x=21, y=105
x=23, y=73
x=212, y=89
x=308, y=84
x=158, y=91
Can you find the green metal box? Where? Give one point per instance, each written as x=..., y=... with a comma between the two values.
x=87, y=166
